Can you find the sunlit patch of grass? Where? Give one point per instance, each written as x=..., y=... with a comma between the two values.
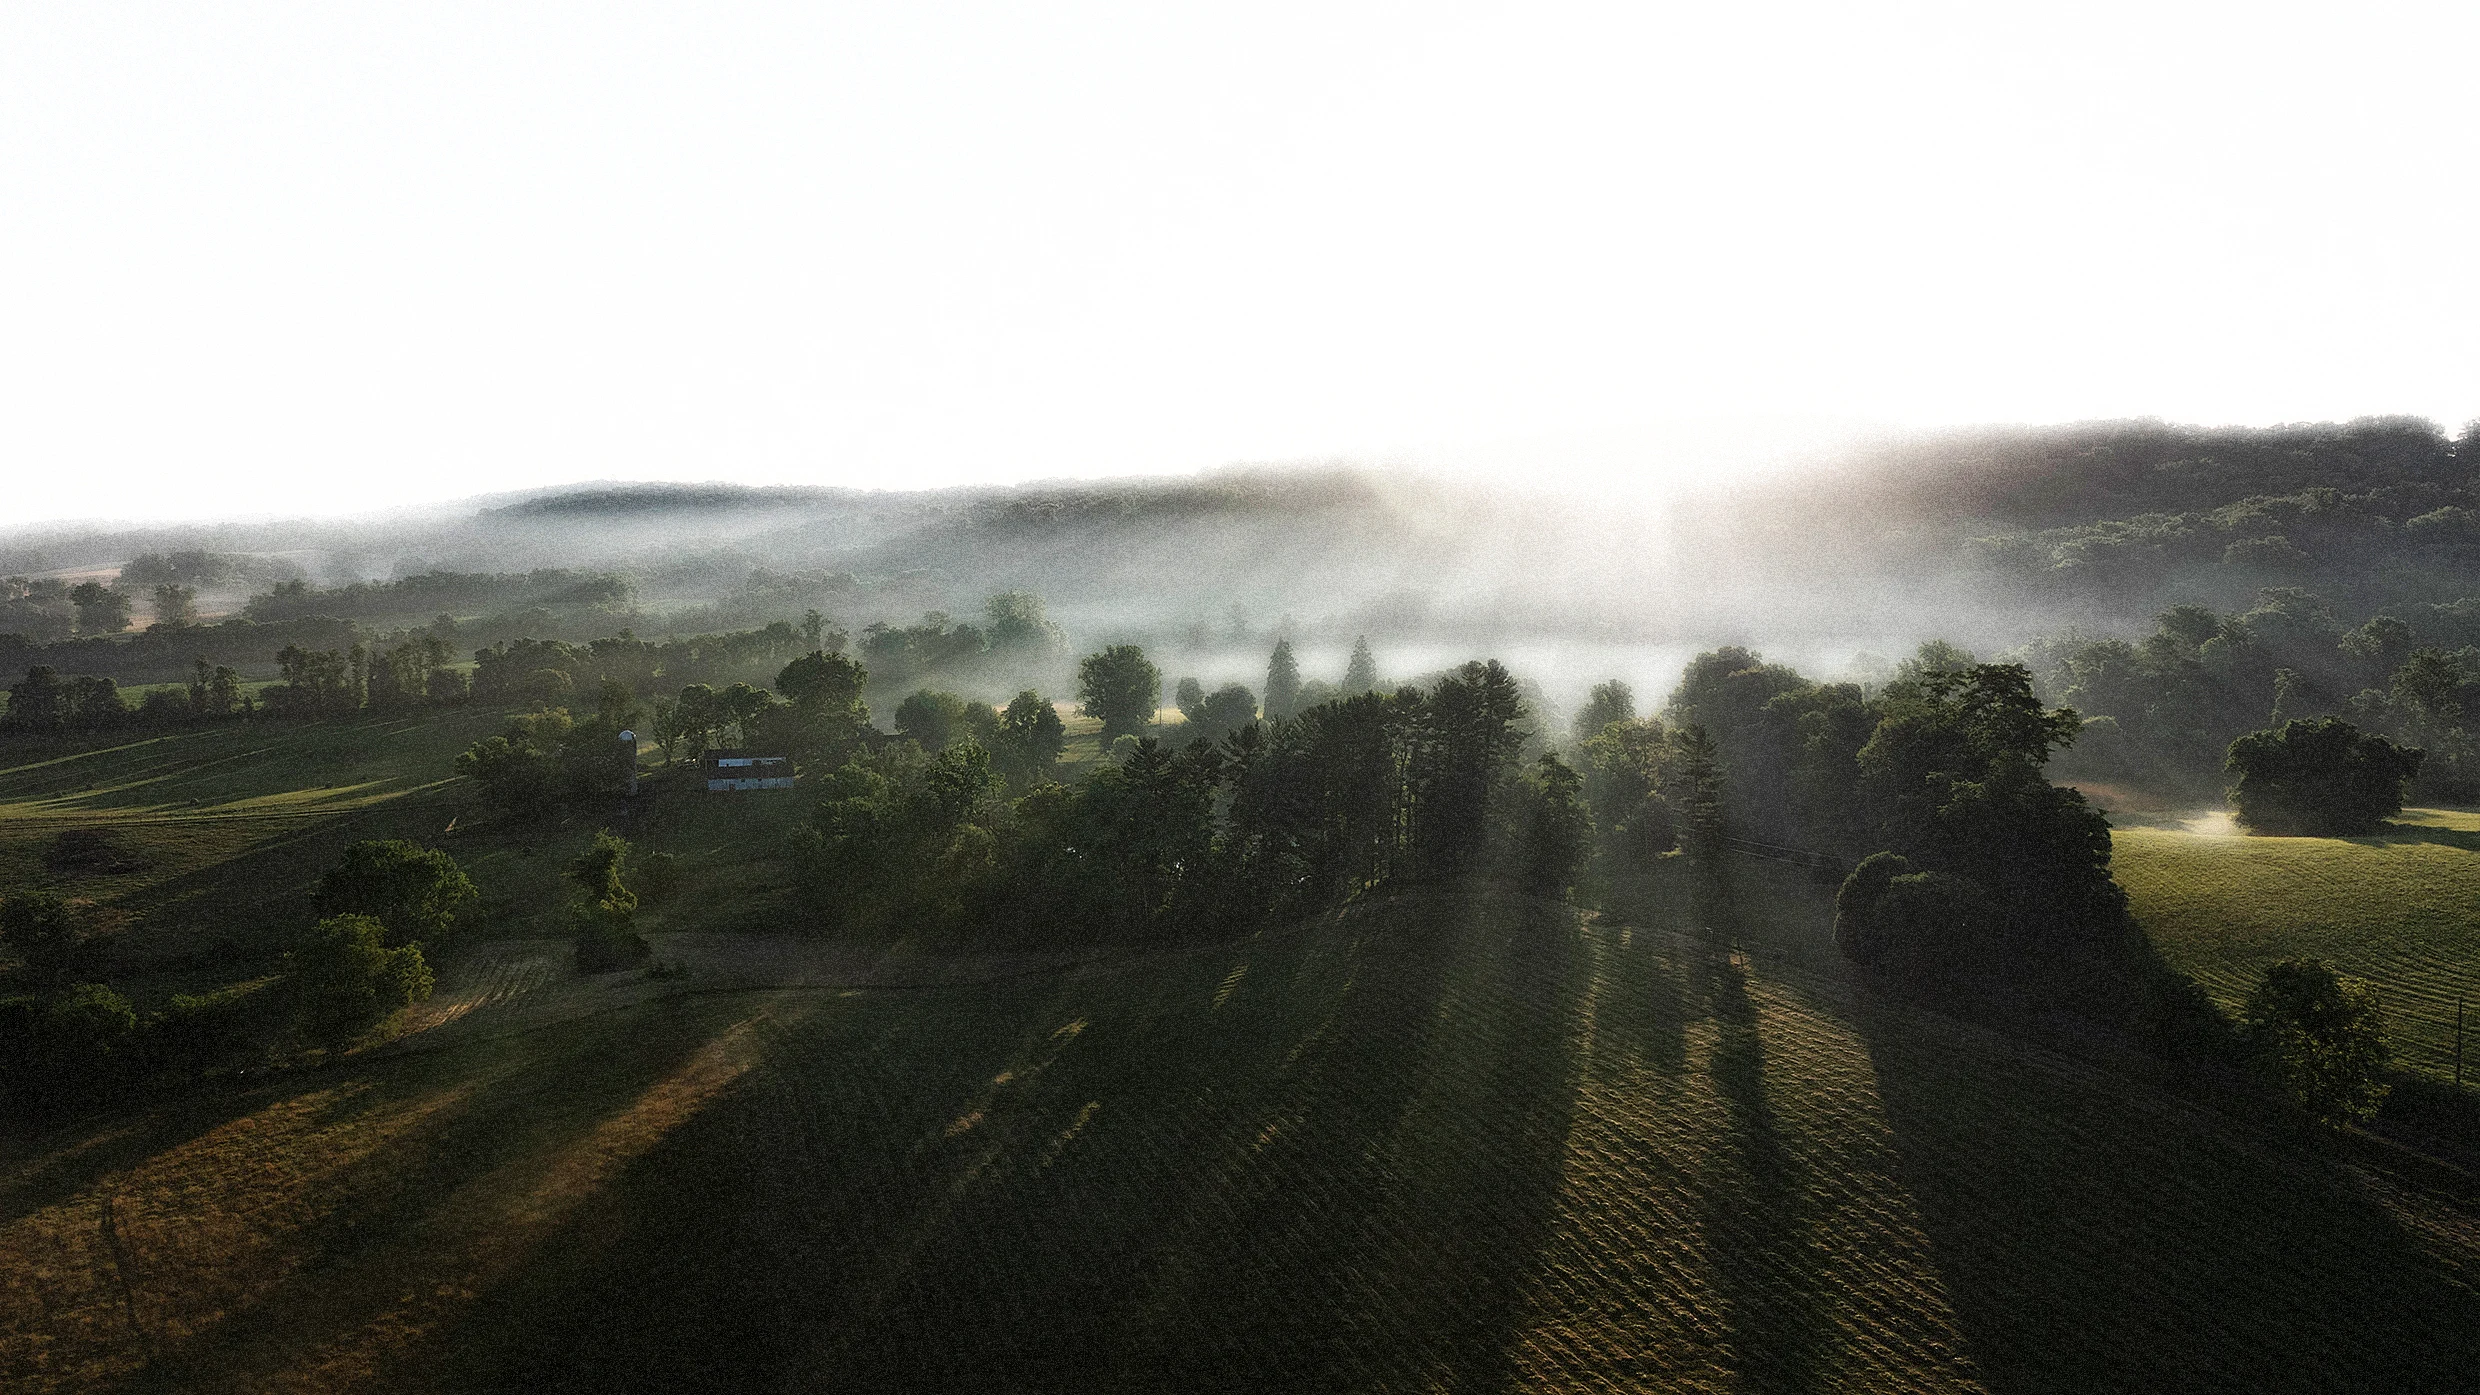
x=2400, y=908
x=396, y=1189
x=94, y=1285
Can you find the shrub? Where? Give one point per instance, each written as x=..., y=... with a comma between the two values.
x=83, y=1030
x=1916, y=922
x=194, y=1032
x=659, y=876
x=67, y=1051
x=2320, y=1037
x=345, y=979
x=37, y=925
x=2323, y=778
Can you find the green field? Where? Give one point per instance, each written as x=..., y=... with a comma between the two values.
x=1449, y=1141
x=2401, y=909
x=227, y=830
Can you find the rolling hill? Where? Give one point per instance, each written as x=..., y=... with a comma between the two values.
x=1450, y=1140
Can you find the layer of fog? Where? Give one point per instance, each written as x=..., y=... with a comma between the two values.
x=1205, y=571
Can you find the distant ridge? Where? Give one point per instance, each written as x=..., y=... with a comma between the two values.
x=1236, y=489
x=669, y=498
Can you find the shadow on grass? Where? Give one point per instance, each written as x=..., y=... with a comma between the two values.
x=1777, y=1328
x=2096, y=1236
x=2392, y=834
x=390, y=1227
x=1324, y=1163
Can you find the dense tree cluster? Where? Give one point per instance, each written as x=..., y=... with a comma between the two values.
x=196, y=567
x=1016, y=634
x=414, y=893
x=430, y=592
x=345, y=978
x=547, y=756
x=165, y=653
x=44, y=703
x=36, y=609
x=2325, y=777
x=1935, y=785
x=1271, y=820
x=69, y=1040
x=337, y=683
x=1213, y=716
x=509, y=672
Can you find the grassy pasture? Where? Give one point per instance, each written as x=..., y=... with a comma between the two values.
x=2400, y=908
x=1448, y=1141
x=227, y=830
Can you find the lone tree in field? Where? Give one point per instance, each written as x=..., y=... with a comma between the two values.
x=176, y=606
x=2324, y=778
x=2321, y=1038
x=100, y=609
x=414, y=892
x=1282, y=682
x=1119, y=687
x=1028, y=741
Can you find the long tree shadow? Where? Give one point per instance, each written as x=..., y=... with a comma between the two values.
x=395, y=1226
x=2463, y=839
x=2094, y=1235
x=1323, y=1164
x=1761, y=1220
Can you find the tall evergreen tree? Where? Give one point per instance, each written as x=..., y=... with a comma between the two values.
x=1282, y=683
x=1700, y=792
x=1465, y=752
x=1361, y=675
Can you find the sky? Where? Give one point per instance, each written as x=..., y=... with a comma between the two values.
x=277, y=259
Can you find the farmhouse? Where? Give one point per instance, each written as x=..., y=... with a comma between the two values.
x=727, y=771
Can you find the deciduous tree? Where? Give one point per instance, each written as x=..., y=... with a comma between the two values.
x=416, y=893
x=2320, y=1037
x=2326, y=778
x=1119, y=687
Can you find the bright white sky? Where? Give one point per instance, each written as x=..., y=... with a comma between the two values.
x=315, y=258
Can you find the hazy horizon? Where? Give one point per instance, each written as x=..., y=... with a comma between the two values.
x=278, y=260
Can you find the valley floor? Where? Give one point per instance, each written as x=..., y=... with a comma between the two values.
x=1448, y=1141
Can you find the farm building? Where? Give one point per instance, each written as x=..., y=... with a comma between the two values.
x=746, y=770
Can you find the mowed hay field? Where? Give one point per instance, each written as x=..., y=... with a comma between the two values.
x=2400, y=908
x=1448, y=1141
